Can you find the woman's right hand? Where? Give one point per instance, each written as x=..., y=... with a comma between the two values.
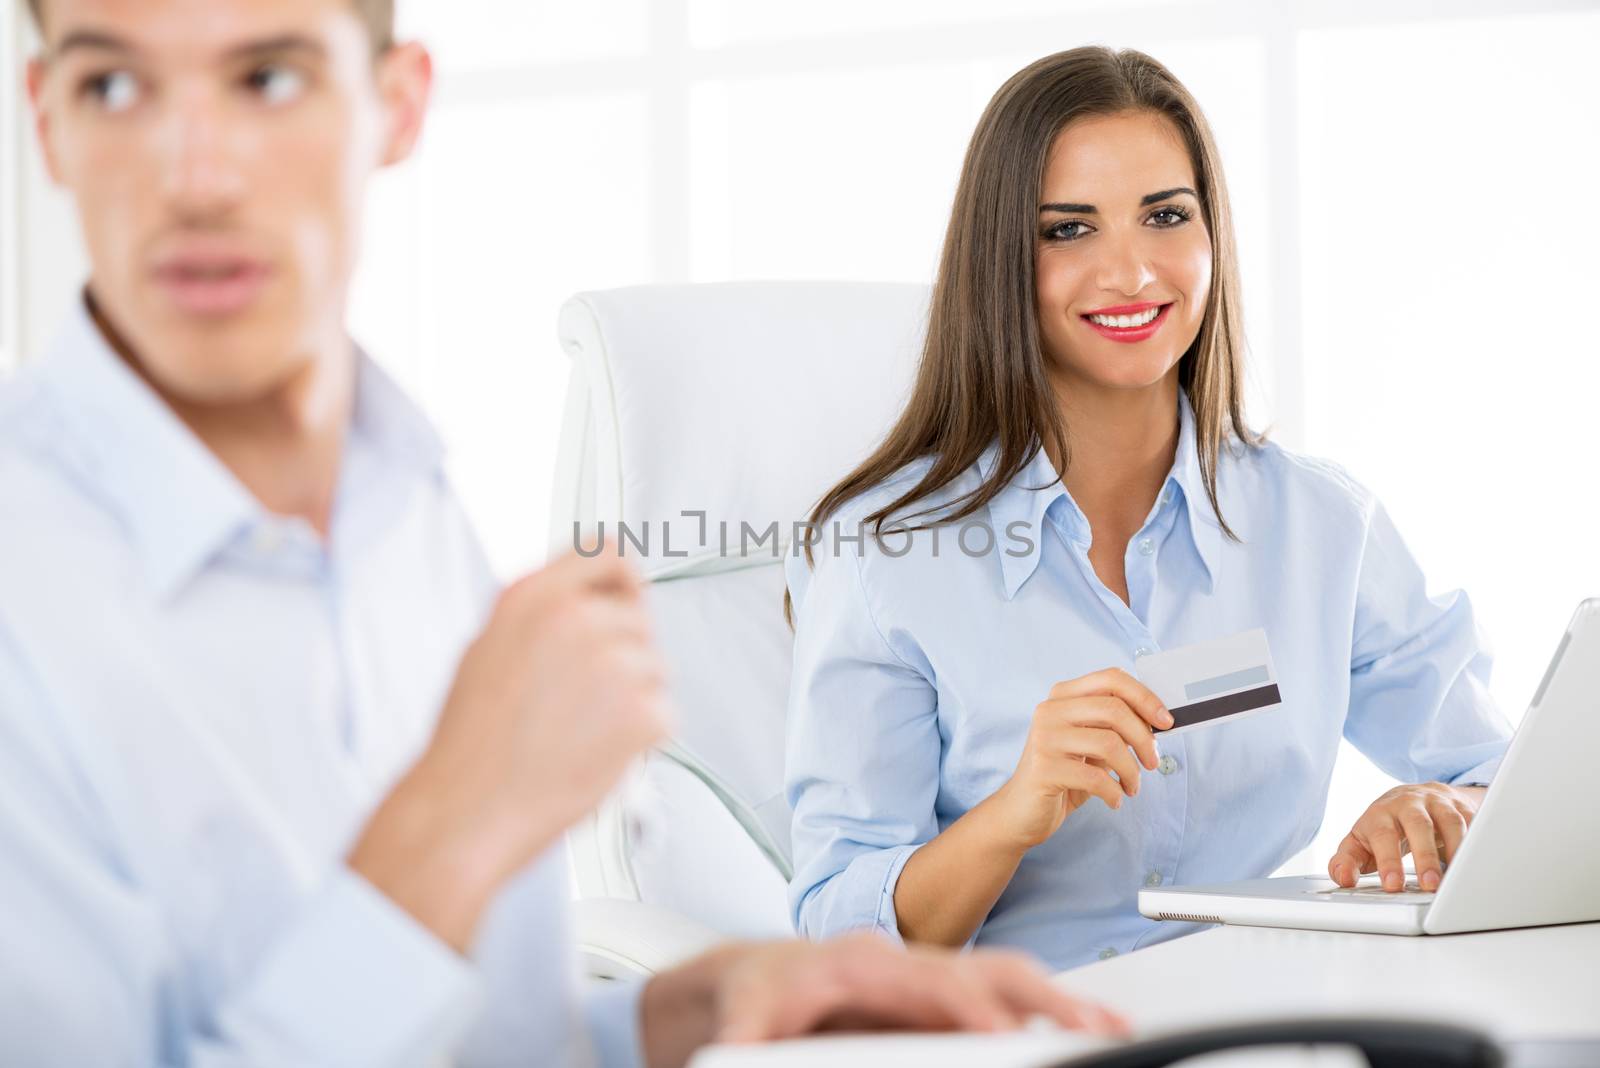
x=1080, y=735
x=1086, y=729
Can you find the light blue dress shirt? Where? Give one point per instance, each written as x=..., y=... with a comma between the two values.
x=200, y=705
x=918, y=665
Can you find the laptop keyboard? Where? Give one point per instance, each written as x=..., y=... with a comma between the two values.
x=1412, y=892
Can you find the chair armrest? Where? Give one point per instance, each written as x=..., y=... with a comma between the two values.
x=618, y=938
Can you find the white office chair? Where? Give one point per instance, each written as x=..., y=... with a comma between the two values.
x=744, y=401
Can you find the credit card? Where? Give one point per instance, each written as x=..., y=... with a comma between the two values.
x=1212, y=681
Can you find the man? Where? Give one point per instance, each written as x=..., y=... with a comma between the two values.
x=283, y=773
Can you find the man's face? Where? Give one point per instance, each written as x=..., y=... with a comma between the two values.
x=218, y=151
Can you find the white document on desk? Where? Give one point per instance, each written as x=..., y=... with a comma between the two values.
x=1017, y=1049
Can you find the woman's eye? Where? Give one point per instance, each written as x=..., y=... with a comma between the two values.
x=114, y=91
x=1062, y=230
x=276, y=85
x=1178, y=215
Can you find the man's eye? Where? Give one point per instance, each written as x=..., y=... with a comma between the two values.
x=276, y=85
x=114, y=91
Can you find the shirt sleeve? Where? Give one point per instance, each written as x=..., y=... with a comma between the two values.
x=1420, y=705
x=90, y=974
x=862, y=769
x=612, y=1011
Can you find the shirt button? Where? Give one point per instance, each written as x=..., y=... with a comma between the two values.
x=1167, y=765
x=1143, y=650
x=1153, y=879
x=1166, y=498
x=1107, y=953
x=1146, y=546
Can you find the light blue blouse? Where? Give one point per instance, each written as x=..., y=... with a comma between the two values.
x=919, y=661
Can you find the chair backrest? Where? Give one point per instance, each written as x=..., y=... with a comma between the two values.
x=706, y=420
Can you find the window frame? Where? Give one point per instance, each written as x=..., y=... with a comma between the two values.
x=11, y=237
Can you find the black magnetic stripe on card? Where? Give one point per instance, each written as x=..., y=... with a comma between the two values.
x=1227, y=705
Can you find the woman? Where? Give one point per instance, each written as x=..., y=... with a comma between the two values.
x=1071, y=486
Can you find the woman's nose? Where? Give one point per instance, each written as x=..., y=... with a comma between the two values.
x=1124, y=268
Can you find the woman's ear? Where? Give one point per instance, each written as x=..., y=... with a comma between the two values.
x=405, y=82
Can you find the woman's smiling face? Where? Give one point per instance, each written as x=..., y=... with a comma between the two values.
x=1119, y=225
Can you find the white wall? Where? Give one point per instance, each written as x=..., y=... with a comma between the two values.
x=47, y=261
x=1409, y=181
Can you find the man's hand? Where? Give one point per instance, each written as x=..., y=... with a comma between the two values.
x=765, y=991
x=1429, y=820
x=559, y=692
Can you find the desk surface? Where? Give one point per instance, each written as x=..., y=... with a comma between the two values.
x=1529, y=983
x=1532, y=985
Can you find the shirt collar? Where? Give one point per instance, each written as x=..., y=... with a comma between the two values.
x=1037, y=488
x=1026, y=499
x=177, y=501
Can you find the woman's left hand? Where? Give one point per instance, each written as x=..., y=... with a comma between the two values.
x=1429, y=820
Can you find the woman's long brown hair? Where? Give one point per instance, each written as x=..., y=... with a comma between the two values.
x=982, y=376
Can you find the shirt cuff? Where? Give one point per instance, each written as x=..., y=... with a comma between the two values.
x=861, y=897
x=354, y=980
x=611, y=1008
x=1482, y=775
x=894, y=861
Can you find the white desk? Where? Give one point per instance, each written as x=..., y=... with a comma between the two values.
x=1530, y=983
x=1535, y=984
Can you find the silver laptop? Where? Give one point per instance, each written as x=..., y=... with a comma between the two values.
x=1531, y=856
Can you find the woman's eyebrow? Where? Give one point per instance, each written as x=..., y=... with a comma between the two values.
x=1090, y=209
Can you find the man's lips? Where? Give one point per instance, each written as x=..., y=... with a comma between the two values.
x=211, y=284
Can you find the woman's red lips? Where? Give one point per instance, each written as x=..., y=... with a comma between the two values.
x=1131, y=333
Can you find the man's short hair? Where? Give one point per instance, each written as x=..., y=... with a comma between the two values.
x=378, y=15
